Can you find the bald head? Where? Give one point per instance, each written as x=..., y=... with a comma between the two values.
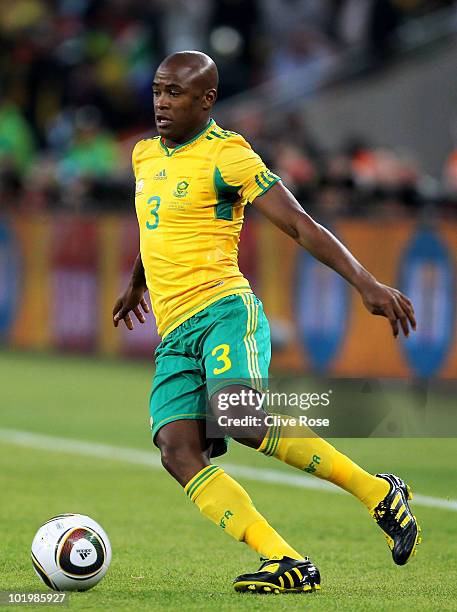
x=197, y=66
x=185, y=90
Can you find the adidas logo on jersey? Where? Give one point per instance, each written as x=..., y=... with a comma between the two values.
x=160, y=176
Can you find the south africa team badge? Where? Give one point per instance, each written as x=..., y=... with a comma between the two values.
x=181, y=189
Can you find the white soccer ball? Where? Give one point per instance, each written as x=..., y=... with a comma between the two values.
x=71, y=552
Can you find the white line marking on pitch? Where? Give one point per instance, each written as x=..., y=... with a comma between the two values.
x=152, y=459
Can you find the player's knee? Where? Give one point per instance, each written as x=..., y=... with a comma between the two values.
x=182, y=461
x=170, y=457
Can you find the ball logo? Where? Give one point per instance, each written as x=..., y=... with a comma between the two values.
x=80, y=553
x=83, y=553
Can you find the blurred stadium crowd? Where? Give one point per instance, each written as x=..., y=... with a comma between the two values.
x=75, y=90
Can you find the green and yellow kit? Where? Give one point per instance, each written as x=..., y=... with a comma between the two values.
x=190, y=206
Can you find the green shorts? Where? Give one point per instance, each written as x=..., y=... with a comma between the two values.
x=226, y=343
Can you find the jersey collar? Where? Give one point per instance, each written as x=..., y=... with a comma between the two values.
x=169, y=152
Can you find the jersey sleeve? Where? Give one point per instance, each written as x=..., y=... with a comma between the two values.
x=238, y=166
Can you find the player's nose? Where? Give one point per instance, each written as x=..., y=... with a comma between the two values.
x=162, y=102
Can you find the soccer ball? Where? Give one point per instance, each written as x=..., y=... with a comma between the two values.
x=71, y=552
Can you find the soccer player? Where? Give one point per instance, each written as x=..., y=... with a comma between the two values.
x=192, y=183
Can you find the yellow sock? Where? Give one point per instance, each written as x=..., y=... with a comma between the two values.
x=226, y=503
x=301, y=447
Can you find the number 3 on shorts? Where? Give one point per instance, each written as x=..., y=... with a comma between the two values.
x=223, y=357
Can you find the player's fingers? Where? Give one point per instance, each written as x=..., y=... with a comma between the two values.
x=144, y=305
x=117, y=307
x=117, y=316
x=123, y=315
x=139, y=315
x=128, y=321
x=409, y=309
x=401, y=316
x=390, y=314
x=405, y=298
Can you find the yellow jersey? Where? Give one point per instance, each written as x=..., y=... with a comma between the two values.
x=190, y=206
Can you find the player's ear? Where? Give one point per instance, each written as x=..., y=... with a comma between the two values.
x=209, y=99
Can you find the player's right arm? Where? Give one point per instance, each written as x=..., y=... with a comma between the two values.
x=133, y=298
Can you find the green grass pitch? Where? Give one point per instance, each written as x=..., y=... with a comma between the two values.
x=165, y=555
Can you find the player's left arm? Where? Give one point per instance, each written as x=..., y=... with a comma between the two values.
x=280, y=206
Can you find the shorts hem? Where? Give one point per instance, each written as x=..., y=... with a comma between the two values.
x=255, y=385
x=176, y=417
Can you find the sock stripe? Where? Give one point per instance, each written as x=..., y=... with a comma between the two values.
x=268, y=439
x=194, y=485
x=276, y=440
x=272, y=440
x=203, y=475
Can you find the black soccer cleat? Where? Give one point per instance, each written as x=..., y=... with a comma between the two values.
x=396, y=520
x=284, y=575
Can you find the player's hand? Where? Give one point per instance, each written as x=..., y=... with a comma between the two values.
x=130, y=301
x=387, y=302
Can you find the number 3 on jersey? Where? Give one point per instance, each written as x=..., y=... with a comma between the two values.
x=154, y=212
x=223, y=357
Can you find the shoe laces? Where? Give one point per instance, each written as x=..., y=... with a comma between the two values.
x=383, y=513
x=266, y=561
